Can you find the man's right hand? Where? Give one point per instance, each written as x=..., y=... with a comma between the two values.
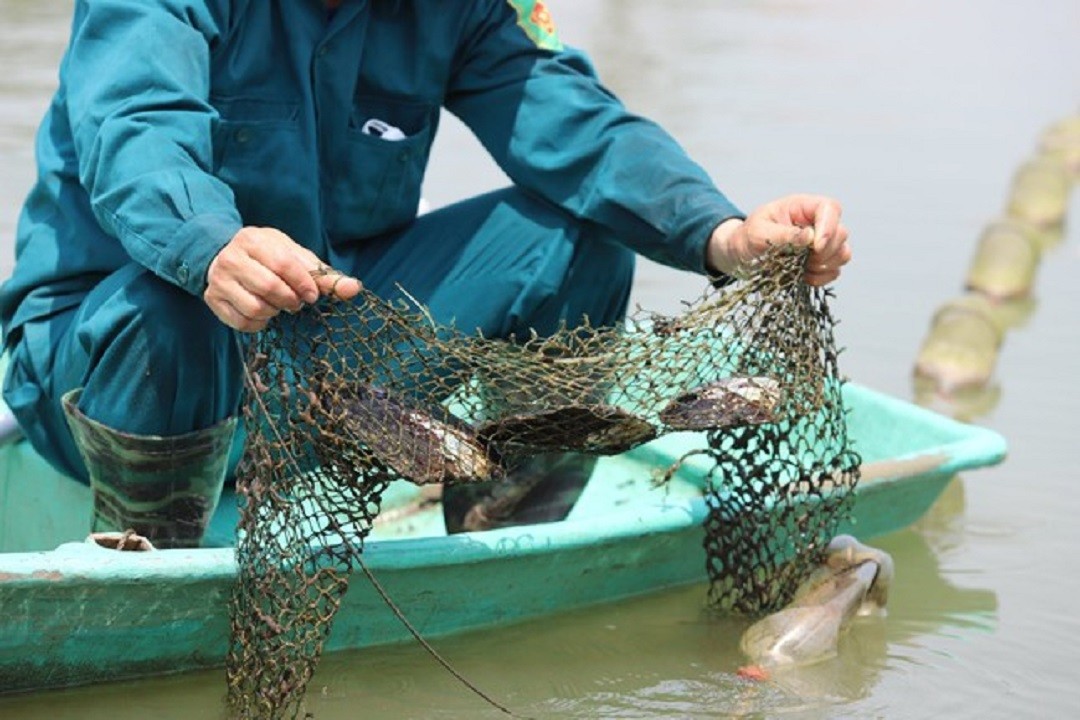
x=263, y=271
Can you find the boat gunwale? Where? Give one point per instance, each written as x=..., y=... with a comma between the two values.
x=968, y=447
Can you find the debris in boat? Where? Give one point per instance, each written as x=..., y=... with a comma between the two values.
x=732, y=402
x=414, y=444
x=125, y=541
x=1005, y=261
x=427, y=498
x=597, y=428
x=852, y=581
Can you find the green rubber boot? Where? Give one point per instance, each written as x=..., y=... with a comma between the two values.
x=164, y=488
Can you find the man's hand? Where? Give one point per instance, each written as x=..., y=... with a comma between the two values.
x=263, y=271
x=812, y=220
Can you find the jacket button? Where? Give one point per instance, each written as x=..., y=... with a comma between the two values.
x=243, y=135
x=403, y=156
x=182, y=273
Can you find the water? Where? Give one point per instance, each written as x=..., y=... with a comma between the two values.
x=915, y=115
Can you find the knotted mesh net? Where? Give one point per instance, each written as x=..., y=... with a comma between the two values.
x=346, y=397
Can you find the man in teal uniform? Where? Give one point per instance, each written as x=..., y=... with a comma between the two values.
x=201, y=158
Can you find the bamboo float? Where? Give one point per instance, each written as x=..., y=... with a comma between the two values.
x=1060, y=143
x=1040, y=193
x=956, y=362
x=961, y=348
x=1005, y=262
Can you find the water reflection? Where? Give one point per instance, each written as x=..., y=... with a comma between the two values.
x=965, y=405
x=591, y=663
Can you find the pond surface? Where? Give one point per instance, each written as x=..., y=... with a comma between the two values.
x=915, y=114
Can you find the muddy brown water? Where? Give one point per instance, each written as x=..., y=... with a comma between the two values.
x=915, y=114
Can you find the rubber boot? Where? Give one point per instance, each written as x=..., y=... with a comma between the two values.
x=164, y=488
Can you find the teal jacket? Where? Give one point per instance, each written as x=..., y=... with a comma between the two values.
x=177, y=122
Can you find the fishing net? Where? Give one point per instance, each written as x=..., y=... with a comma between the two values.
x=346, y=397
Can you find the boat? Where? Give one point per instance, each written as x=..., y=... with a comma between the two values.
x=76, y=613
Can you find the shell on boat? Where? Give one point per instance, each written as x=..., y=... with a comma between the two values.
x=732, y=402
x=596, y=428
x=413, y=443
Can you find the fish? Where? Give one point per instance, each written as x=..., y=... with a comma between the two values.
x=732, y=402
x=587, y=428
x=414, y=443
x=853, y=581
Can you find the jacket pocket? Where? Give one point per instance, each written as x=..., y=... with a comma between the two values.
x=377, y=185
x=258, y=153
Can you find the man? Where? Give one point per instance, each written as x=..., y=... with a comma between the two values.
x=203, y=159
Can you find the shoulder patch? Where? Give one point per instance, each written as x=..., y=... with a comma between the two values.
x=535, y=20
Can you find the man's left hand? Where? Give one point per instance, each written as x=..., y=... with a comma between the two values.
x=813, y=220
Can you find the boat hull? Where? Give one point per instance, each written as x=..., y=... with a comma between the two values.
x=78, y=613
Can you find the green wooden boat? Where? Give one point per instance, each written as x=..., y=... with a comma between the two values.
x=72, y=612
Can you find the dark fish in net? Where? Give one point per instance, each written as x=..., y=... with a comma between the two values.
x=413, y=443
x=731, y=402
x=598, y=429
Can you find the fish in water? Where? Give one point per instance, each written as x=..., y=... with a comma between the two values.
x=853, y=580
x=412, y=442
x=732, y=402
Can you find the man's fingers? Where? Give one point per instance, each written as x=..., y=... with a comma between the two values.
x=820, y=278
x=231, y=316
x=290, y=262
x=805, y=220
x=768, y=233
x=823, y=270
x=335, y=283
x=820, y=213
x=270, y=288
x=262, y=271
x=296, y=273
x=835, y=252
x=826, y=219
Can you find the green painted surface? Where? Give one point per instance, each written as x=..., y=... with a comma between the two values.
x=75, y=613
